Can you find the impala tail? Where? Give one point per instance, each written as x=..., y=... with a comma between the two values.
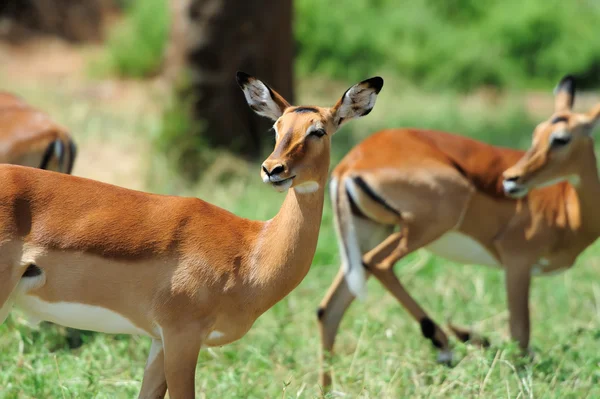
x=60, y=155
x=345, y=229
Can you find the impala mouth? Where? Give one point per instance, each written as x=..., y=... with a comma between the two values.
x=281, y=184
x=514, y=190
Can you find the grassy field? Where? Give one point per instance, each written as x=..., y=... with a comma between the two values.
x=380, y=351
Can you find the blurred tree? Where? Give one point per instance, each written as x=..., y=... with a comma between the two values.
x=214, y=39
x=75, y=20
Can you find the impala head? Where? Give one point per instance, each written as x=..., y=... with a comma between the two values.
x=303, y=134
x=558, y=144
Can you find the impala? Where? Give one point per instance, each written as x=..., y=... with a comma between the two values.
x=463, y=200
x=30, y=137
x=184, y=272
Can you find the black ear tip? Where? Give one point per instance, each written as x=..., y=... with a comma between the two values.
x=242, y=78
x=375, y=83
x=566, y=83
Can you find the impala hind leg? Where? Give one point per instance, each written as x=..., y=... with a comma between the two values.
x=329, y=315
x=380, y=262
x=466, y=335
x=154, y=385
x=338, y=297
x=10, y=277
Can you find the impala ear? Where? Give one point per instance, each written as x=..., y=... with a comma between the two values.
x=564, y=94
x=593, y=118
x=260, y=97
x=357, y=101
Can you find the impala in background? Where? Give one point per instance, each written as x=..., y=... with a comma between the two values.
x=184, y=272
x=465, y=201
x=29, y=137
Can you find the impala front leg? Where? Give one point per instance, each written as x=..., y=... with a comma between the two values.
x=181, y=348
x=380, y=262
x=518, y=281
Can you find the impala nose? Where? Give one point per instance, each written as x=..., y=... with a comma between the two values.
x=512, y=188
x=273, y=170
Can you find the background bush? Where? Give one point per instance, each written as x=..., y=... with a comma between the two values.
x=457, y=44
x=135, y=46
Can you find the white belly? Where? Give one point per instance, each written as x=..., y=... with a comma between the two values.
x=77, y=315
x=461, y=248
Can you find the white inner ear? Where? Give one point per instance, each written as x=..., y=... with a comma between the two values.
x=259, y=99
x=356, y=102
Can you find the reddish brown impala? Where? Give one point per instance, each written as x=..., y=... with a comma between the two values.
x=450, y=194
x=182, y=271
x=29, y=137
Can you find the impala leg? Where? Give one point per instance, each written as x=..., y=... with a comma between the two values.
x=380, y=262
x=154, y=385
x=518, y=281
x=466, y=335
x=181, y=348
x=9, y=279
x=330, y=313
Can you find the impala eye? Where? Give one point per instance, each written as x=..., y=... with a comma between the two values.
x=318, y=133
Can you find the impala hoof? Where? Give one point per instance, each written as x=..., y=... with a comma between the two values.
x=445, y=357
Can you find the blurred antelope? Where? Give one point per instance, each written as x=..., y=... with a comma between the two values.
x=464, y=200
x=184, y=272
x=29, y=137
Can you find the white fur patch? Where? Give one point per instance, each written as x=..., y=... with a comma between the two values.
x=355, y=279
x=77, y=315
x=259, y=99
x=461, y=248
x=307, y=187
x=155, y=349
x=351, y=253
x=215, y=335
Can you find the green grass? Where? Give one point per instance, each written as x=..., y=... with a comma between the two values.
x=380, y=351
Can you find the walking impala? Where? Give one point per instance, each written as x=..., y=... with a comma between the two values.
x=29, y=137
x=447, y=194
x=186, y=273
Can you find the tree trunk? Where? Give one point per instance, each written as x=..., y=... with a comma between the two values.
x=74, y=20
x=224, y=36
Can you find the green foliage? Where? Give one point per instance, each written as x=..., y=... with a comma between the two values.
x=458, y=44
x=136, y=45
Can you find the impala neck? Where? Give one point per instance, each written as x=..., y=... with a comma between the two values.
x=588, y=191
x=286, y=246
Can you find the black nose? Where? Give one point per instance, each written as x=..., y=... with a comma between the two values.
x=277, y=169
x=512, y=178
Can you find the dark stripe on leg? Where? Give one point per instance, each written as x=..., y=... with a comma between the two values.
x=428, y=328
x=320, y=313
x=373, y=195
